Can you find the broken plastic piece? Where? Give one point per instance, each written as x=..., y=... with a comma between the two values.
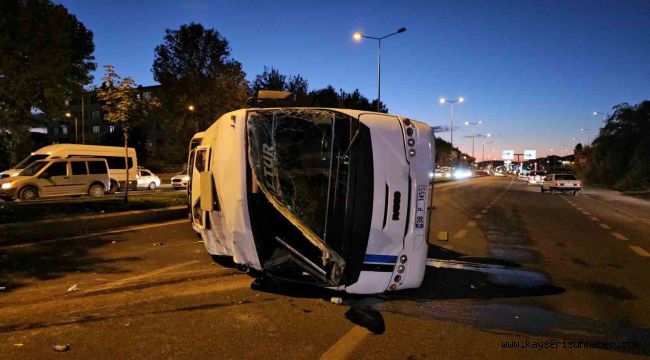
x=62, y=348
x=73, y=288
x=336, y=300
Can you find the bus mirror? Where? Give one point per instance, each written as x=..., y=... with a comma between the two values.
x=206, y=194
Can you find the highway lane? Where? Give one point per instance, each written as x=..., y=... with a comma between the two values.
x=519, y=266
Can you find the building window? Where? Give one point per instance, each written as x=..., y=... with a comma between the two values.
x=95, y=115
x=146, y=95
x=96, y=129
x=64, y=130
x=111, y=128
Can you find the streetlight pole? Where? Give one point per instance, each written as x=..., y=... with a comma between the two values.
x=451, y=129
x=483, y=155
x=473, y=124
x=475, y=136
x=191, y=108
x=588, y=135
x=358, y=36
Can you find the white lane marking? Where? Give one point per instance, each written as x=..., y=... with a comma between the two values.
x=142, y=276
x=580, y=209
x=460, y=234
x=484, y=211
x=604, y=226
x=346, y=345
x=594, y=219
x=131, y=228
x=471, y=223
x=639, y=251
x=619, y=236
x=586, y=213
x=478, y=216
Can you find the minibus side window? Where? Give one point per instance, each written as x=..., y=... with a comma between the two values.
x=78, y=167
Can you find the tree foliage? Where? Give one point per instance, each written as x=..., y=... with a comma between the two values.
x=45, y=58
x=272, y=79
x=123, y=104
x=620, y=156
x=194, y=67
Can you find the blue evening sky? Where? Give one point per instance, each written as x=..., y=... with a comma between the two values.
x=532, y=71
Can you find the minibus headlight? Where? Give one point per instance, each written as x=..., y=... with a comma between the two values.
x=7, y=185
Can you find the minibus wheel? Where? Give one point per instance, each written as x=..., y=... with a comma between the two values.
x=28, y=193
x=113, y=187
x=152, y=186
x=96, y=190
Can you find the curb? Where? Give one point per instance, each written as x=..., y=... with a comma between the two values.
x=56, y=228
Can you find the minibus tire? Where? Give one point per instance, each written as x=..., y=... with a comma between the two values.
x=24, y=191
x=113, y=187
x=152, y=186
x=96, y=190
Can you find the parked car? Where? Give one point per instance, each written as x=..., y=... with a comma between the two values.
x=180, y=180
x=536, y=177
x=147, y=179
x=57, y=177
x=561, y=182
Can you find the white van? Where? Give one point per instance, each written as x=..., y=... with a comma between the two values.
x=114, y=156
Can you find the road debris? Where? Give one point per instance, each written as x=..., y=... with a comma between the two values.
x=3, y=288
x=158, y=244
x=19, y=345
x=62, y=348
x=336, y=300
x=73, y=288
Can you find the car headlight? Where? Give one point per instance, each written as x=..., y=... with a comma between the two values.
x=186, y=178
x=7, y=185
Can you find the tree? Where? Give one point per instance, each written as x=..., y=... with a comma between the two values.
x=45, y=58
x=123, y=104
x=194, y=67
x=270, y=79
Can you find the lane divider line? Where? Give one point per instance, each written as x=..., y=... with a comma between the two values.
x=478, y=216
x=639, y=251
x=619, y=236
x=484, y=211
x=471, y=223
x=594, y=219
x=346, y=345
x=604, y=226
x=460, y=234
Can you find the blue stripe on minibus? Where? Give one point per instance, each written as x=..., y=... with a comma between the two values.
x=384, y=259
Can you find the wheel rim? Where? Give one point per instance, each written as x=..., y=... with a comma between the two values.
x=95, y=191
x=152, y=186
x=28, y=194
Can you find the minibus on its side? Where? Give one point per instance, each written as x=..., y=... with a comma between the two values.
x=330, y=197
x=114, y=156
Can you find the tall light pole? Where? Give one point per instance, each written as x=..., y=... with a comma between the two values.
x=475, y=136
x=358, y=36
x=483, y=155
x=191, y=108
x=451, y=104
x=588, y=135
x=605, y=115
x=473, y=124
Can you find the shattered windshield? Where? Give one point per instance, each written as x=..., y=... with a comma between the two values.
x=298, y=156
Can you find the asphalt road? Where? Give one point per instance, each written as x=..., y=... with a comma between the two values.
x=520, y=268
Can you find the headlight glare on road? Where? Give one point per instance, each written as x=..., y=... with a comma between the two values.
x=7, y=185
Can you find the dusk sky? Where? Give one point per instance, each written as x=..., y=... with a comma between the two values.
x=532, y=71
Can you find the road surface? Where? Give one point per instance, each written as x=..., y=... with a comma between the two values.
x=520, y=270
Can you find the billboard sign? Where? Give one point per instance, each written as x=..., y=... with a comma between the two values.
x=508, y=155
x=530, y=154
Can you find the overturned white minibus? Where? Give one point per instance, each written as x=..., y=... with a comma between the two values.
x=332, y=197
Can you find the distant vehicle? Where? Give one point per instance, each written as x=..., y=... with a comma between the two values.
x=57, y=177
x=180, y=180
x=114, y=156
x=523, y=175
x=147, y=179
x=335, y=198
x=462, y=173
x=561, y=182
x=481, y=173
x=536, y=177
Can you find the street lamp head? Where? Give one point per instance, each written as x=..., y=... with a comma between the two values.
x=466, y=122
x=442, y=100
x=357, y=36
x=595, y=112
x=68, y=114
x=488, y=135
x=401, y=30
x=461, y=99
x=480, y=122
x=190, y=107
